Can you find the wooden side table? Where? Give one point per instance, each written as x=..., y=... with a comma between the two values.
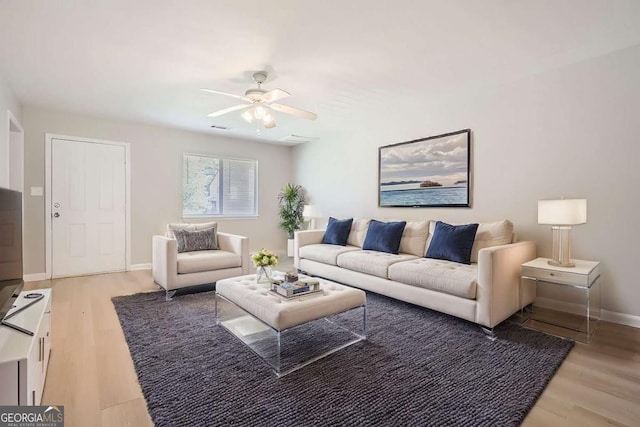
x=584, y=278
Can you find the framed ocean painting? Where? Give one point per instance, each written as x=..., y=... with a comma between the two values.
x=427, y=172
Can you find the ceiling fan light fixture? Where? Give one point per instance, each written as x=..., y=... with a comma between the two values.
x=260, y=112
x=269, y=123
x=247, y=116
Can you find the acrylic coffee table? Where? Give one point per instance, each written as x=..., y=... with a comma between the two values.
x=289, y=334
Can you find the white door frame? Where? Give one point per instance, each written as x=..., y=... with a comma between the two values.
x=12, y=121
x=49, y=137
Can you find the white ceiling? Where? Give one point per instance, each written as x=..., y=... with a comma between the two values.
x=347, y=61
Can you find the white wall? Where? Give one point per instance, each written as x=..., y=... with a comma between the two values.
x=8, y=102
x=156, y=178
x=570, y=132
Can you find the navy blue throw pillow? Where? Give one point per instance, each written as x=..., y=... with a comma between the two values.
x=337, y=231
x=452, y=242
x=384, y=236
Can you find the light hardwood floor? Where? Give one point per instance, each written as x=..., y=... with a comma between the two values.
x=92, y=375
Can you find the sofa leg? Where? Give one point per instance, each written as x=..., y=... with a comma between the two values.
x=489, y=333
x=169, y=295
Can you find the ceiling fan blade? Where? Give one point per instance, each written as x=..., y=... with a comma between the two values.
x=274, y=95
x=244, y=98
x=228, y=110
x=294, y=111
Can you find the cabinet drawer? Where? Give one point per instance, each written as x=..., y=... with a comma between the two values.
x=556, y=276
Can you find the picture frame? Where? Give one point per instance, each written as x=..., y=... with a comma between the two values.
x=427, y=172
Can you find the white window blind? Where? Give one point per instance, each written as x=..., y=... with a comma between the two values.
x=215, y=186
x=239, y=187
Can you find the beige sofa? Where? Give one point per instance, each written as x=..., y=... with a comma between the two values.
x=172, y=270
x=485, y=292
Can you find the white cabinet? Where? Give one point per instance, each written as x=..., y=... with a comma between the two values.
x=24, y=358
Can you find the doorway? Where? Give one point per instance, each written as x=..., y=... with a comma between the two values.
x=87, y=206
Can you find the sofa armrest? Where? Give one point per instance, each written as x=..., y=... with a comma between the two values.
x=304, y=238
x=165, y=261
x=238, y=245
x=499, y=271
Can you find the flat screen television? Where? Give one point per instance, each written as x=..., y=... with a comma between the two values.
x=10, y=248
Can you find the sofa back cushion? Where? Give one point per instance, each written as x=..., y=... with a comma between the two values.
x=414, y=238
x=492, y=234
x=337, y=231
x=489, y=234
x=384, y=236
x=452, y=242
x=358, y=232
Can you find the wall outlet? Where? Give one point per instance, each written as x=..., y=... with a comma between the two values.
x=36, y=191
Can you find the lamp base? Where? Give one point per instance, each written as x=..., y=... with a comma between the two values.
x=561, y=247
x=566, y=264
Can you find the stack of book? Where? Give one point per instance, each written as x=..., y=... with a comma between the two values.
x=295, y=289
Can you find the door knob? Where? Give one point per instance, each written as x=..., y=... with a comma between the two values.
x=56, y=215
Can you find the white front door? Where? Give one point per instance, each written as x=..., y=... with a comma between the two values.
x=88, y=208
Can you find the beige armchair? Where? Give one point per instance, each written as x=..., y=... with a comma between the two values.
x=172, y=270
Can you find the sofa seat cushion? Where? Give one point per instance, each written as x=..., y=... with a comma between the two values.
x=326, y=254
x=438, y=275
x=195, y=262
x=371, y=262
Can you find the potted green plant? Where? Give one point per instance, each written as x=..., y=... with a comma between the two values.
x=292, y=200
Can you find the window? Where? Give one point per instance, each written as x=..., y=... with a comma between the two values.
x=212, y=186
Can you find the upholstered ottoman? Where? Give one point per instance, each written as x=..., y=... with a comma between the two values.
x=259, y=318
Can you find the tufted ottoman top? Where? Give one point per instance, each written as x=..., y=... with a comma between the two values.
x=280, y=313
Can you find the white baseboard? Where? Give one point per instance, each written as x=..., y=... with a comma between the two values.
x=573, y=308
x=622, y=318
x=145, y=266
x=35, y=277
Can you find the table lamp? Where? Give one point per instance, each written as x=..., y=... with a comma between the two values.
x=310, y=212
x=562, y=214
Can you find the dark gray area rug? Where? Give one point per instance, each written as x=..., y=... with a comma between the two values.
x=417, y=368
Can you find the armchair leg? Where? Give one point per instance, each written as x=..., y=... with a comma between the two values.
x=489, y=333
x=169, y=295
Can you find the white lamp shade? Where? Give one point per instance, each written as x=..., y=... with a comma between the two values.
x=562, y=212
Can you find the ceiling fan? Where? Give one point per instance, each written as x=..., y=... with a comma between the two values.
x=259, y=102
